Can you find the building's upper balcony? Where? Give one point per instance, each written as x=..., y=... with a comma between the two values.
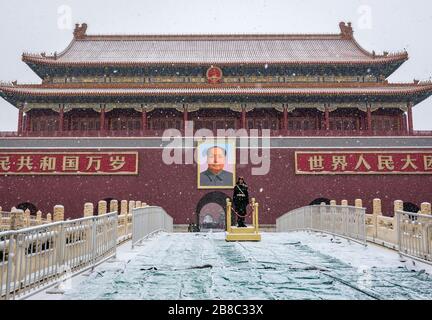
x=260, y=132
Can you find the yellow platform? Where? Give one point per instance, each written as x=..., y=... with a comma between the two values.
x=242, y=230
x=243, y=237
x=250, y=233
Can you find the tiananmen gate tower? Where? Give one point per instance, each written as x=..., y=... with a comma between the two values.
x=92, y=129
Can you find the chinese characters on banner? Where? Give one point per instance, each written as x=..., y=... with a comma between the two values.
x=393, y=162
x=68, y=163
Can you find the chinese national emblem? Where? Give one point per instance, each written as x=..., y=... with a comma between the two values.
x=214, y=75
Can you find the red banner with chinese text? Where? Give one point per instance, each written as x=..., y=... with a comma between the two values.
x=367, y=162
x=68, y=163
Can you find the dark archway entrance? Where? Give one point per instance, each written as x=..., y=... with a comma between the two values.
x=318, y=201
x=410, y=207
x=210, y=211
x=27, y=205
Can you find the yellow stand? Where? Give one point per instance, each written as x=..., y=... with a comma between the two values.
x=243, y=234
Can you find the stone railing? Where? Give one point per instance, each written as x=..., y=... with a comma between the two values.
x=407, y=232
x=148, y=220
x=33, y=257
x=384, y=230
x=124, y=231
x=346, y=221
x=414, y=237
x=18, y=219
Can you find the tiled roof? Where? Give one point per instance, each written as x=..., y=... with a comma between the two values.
x=214, y=49
x=34, y=90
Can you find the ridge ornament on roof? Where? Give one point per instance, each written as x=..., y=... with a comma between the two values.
x=80, y=31
x=346, y=30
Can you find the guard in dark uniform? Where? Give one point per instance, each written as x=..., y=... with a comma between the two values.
x=240, y=201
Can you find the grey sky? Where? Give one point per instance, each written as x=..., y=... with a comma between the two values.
x=386, y=25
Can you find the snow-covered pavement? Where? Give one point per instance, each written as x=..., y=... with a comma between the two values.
x=298, y=265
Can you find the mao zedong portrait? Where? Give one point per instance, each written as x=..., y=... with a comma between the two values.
x=215, y=175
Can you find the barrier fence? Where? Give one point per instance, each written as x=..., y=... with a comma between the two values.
x=414, y=234
x=148, y=220
x=33, y=257
x=346, y=221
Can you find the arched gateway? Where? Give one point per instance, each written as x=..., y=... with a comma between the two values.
x=210, y=210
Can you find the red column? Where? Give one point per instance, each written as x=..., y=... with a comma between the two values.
x=27, y=122
x=243, y=117
x=285, y=120
x=185, y=118
x=369, y=119
x=61, y=119
x=327, y=117
x=102, y=120
x=144, y=120
x=20, y=121
x=410, y=119
x=400, y=123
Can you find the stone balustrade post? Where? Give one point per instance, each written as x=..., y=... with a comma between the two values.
x=138, y=204
x=425, y=208
x=27, y=218
x=131, y=206
x=102, y=207
x=398, y=206
x=376, y=211
x=58, y=213
x=88, y=209
x=17, y=219
x=376, y=207
x=38, y=218
x=123, y=207
x=114, y=206
x=49, y=218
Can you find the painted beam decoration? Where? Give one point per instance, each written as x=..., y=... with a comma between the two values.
x=363, y=162
x=68, y=163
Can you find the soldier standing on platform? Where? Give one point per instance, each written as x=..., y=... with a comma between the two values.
x=240, y=201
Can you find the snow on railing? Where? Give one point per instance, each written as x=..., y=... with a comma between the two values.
x=33, y=257
x=345, y=221
x=414, y=234
x=148, y=220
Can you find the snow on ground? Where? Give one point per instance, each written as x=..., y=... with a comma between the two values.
x=299, y=265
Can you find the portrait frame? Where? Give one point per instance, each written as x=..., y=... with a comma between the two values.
x=230, y=166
